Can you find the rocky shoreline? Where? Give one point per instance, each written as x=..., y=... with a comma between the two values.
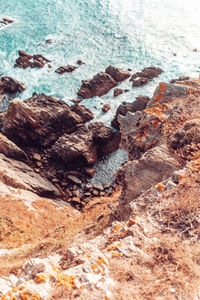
x=47, y=150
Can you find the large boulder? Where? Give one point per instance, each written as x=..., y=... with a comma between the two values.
x=99, y=85
x=40, y=120
x=118, y=74
x=140, y=103
x=18, y=175
x=106, y=139
x=9, y=149
x=137, y=176
x=9, y=85
x=77, y=146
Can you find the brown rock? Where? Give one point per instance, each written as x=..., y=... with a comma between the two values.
x=90, y=172
x=139, y=104
x=26, y=60
x=106, y=139
x=149, y=73
x=74, y=179
x=118, y=74
x=85, y=113
x=118, y=92
x=79, y=62
x=106, y=108
x=98, y=86
x=9, y=85
x=8, y=20
x=65, y=69
x=77, y=101
x=18, y=175
x=39, y=120
x=9, y=149
x=140, y=81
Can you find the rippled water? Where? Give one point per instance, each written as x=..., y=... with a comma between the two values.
x=124, y=33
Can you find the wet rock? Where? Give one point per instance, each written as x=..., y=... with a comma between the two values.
x=65, y=69
x=9, y=149
x=106, y=139
x=118, y=74
x=76, y=146
x=106, y=108
x=139, y=104
x=9, y=85
x=90, y=171
x=26, y=60
x=8, y=20
x=79, y=62
x=18, y=175
x=140, y=81
x=98, y=86
x=95, y=193
x=37, y=156
x=49, y=41
x=85, y=113
x=77, y=101
x=149, y=73
x=118, y=92
x=39, y=120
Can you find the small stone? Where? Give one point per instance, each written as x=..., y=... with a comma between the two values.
x=102, y=193
x=76, y=199
x=8, y=20
x=77, y=101
x=194, y=50
x=106, y=108
x=90, y=171
x=79, y=62
x=55, y=180
x=75, y=187
x=88, y=186
x=118, y=92
x=95, y=192
x=87, y=194
x=36, y=170
x=172, y=291
x=38, y=163
x=98, y=187
x=37, y=156
x=76, y=193
x=64, y=184
x=49, y=41
x=74, y=179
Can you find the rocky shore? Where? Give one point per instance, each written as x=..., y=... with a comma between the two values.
x=92, y=241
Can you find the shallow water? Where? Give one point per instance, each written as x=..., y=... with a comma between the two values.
x=129, y=34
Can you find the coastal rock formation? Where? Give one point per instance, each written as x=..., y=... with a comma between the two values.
x=106, y=108
x=101, y=83
x=139, y=104
x=85, y=113
x=41, y=120
x=26, y=60
x=118, y=74
x=143, y=77
x=6, y=20
x=18, y=175
x=9, y=85
x=118, y=92
x=65, y=69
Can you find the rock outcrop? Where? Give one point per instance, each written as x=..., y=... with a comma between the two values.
x=139, y=104
x=26, y=60
x=101, y=83
x=9, y=85
x=143, y=77
x=9, y=149
x=41, y=120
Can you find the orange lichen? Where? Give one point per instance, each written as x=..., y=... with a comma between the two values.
x=106, y=298
x=40, y=278
x=101, y=261
x=88, y=256
x=161, y=93
x=131, y=222
x=94, y=267
x=116, y=227
x=116, y=254
x=142, y=134
x=160, y=187
x=112, y=247
x=66, y=280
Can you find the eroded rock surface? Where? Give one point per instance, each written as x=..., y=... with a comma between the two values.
x=65, y=69
x=143, y=77
x=26, y=60
x=9, y=85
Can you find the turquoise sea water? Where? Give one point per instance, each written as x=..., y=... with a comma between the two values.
x=125, y=33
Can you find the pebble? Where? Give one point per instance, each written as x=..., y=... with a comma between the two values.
x=172, y=291
x=87, y=194
x=38, y=163
x=88, y=186
x=37, y=156
x=102, y=193
x=98, y=187
x=95, y=193
x=55, y=180
x=74, y=179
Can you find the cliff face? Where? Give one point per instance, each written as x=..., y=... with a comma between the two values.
x=150, y=248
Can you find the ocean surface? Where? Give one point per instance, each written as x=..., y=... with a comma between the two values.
x=125, y=33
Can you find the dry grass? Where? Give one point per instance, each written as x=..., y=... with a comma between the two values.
x=45, y=230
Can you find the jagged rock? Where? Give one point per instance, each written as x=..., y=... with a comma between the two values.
x=77, y=101
x=9, y=149
x=106, y=108
x=76, y=146
x=118, y=74
x=149, y=73
x=8, y=20
x=79, y=62
x=98, y=86
x=140, y=103
x=90, y=171
x=9, y=85
x=65, y=69
x=154, y=166
x=26, y=60
x=18, y=175
x=40, y=120
x=106, y=139
x=166, y=92
x=85, y=113
x=118, y=92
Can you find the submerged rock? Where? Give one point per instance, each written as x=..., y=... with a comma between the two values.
x=106, y=108
x=65, y=69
